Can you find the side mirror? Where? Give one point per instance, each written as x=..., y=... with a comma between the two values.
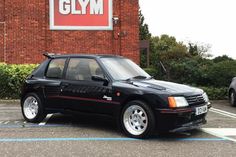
x=100, y=79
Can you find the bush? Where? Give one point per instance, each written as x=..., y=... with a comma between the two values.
x=220, y=74
x=216, y=93
x=152, y=71
x=202, y=72
x=11, y=79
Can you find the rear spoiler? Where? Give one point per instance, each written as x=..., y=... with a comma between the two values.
x=49, y=55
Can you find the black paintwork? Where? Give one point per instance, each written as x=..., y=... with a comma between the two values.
x=60, y=95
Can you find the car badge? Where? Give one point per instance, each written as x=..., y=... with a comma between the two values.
x=108, y=98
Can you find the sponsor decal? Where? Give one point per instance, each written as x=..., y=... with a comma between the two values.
x=107, y=98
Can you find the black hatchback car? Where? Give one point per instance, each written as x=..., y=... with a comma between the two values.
x=114, y=86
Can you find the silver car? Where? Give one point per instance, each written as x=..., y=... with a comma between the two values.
x=232, y=92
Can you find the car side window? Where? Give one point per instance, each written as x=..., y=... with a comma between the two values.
x=82, y=69
x=55, y=68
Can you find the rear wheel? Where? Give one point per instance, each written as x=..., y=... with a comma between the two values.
x=137, y=120
x=32, y=108
x=232, y=97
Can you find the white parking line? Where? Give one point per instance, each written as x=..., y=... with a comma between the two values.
x=46, y=119
x=223, y=131
x=220, y=132
x=224, y=113
x=6, y=122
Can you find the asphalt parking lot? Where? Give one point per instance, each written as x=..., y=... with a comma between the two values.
x=64, y=135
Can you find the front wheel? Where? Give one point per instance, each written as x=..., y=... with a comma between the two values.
x=137, y=120
x=32, y=108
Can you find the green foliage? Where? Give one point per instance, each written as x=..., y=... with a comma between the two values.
x=12, y=78
x=216, y=93
x=191, y=65
x=189, y=70
x=144, y=33
x=220, y=74
x=222, y=58
x=199, y=50
x=202, y=72
x=166, y=48
x=152, y=71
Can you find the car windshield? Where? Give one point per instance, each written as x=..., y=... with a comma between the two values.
x=124, y=69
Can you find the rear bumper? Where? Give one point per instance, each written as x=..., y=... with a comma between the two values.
x=177, y=120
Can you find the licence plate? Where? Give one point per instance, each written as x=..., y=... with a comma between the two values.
x=201, y=110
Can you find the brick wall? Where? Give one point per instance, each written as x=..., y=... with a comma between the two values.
x=28, y=34
x=2, y=10
x=1, y=43
x=130, y=29
x=1, y=30
x=25, y=20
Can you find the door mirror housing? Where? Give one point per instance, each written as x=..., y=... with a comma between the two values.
x=100, y=79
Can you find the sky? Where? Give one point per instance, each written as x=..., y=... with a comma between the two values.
x=207, y=22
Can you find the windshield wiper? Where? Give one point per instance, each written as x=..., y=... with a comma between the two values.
x=136, y=77
x=151, y=77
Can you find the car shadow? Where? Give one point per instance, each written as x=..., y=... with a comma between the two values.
x=109, y=124
x=95, y=122
x=168, y=136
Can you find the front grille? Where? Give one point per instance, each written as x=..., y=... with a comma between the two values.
x=195, y=100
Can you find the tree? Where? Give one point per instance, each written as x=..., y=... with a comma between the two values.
x=222, y=58
x=166, y=49
x=220, y=74
x=199, y=50
x=144, y=33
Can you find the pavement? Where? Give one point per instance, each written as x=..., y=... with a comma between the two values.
x=66, y=135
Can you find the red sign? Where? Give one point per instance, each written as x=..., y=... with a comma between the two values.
x=81, y=15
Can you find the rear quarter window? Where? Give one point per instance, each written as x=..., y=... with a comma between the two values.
x=56, y=68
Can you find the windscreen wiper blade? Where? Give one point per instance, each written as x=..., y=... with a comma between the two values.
x=137, y=77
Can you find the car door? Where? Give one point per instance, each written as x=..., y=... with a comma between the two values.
x=80, y=92
x=52, y=83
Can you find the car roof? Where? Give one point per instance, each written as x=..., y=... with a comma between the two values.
x=83, y=55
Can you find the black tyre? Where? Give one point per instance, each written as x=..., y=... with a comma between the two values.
x=232, y=97
x=137, y=119
x=32, y=108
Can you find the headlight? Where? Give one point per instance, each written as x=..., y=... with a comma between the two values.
x=175, y=102
x=205, y=97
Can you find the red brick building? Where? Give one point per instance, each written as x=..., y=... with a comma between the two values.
x=25, y=33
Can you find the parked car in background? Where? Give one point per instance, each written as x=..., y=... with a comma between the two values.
x=232, y=92
x=114, y=86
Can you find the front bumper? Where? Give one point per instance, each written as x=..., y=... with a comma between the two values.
x=177, y=120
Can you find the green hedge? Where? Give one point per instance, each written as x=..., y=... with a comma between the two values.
x=11, y=79
x=152, y=71
x=216, y=93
